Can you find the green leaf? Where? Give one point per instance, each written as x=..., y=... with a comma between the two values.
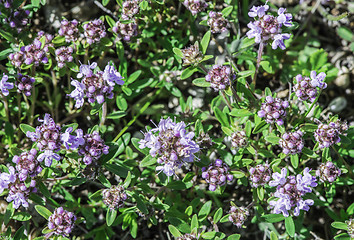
x=205, y=42
x=318, y=59
x=178, y=52
x=19, y=233
x=222, y=117
x=174, y=231
x=309, y=127
x=227, y=11
x=140, y=204
x=227, y=130
x=127, y=180
x=179, y=185
x=144, y=5
x=111, y=216
x=135, y=142
x=9, y=213
x=189, y=210
x=121, y=103
x=245, y=73
x=201, y=82
x=273, y=236
x=272, y=139
x=134, y=76
x=309, y=152
x=116, y=115
x=345, y=33
x=147, y=161
x=340, y=225
x=194, y=222
x=294, y=158
x=262, y=125
x=188, y=72
x=260, y=193
x=240, y=112
x=238, y=174
x=110, y=21
x=25, y=128
x=234, y=237
x=43, y=211
x=345, y=140
x=58, y=40
x=7, y=36
x=204, y=23
x=205, y=210
x=273, y=218
x=217, y=215
x=290, y=226
x=343, y=236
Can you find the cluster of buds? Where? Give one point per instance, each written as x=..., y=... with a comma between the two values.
x=61, y=222
x=192, y=55
x=93, y=148
x=170, y=76
x=18, y=19
x=328, y=172
x=130, y=8
x=95, y=86
x=350, y=230
x=217, y=174
x=268, y=27
x=239, y=139
x=195, y=6
x=24, y=84
x=260, y=175
x=171, y=144
x=305, y=88
x=290, y=192
x=63, y=55
x=35, y=53
x=273, y=110
x=204, y=140
x=18, y=190
x=328, y=134
x=114, y=197
x=69, y=30
x=27, y=164
x=238, y=215
x=5, y=86
x=94, y=31
x=219, y=77
x=187, y=236
x=292, y=143
x=126, y=31
x=217, y=22
x=48, y=139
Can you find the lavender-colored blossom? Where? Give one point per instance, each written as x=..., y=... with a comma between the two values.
x=260, y=175
x=93, y=148
x=63, y=55
x=350, y=227
x=292, y=143
x=6, y=3
x=69, y=30
x=114, y=197
x=94, y=31
x=290, y=192
x=24, y=84
x=328, y=172
x=96, y=88
x=7, y=178
x=5, y=86
x=306, y=88
x=130, y=8
x=18, y=19
x=78, y=94
x=112, y=76
x=273, y=110
x=328, y=134
x=217, y=174
x=217, y=22
x=27, y=164
x=47, y=156
x=126, y=31
x=71, y=141
x=238, y=215
x=266, y=27
x=219, y=77
x=192, y=55
x=86, y=70
x=318, y=80
x=239, y=139
x=195, y=6
x=61, y=222
x=171, y=144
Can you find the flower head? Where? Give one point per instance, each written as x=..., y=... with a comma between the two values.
x=219, y=77
x=27, y=164
x=126, y=31
x=273, y=110
x=328, y=134
x=130, y=8
x=260, y=175
x=4, y=85
x=217, y=174
x=328, y=172
x=195, y=6
x=239, y=139
x=24, y=84
x=112, y=76
x=69, y=30
x=61, y=222
x=63, y=55
x=94, y=31
x=217, y=22
x=192, y=55
x=114, y=197
x=305, y=88
x=238, y=215
x=292, y=143
x=93, y=148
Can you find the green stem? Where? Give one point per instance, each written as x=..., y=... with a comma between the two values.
x=259, y=58
x=104, y=113
x=227, y=100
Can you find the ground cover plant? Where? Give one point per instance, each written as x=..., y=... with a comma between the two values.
x=182, y=120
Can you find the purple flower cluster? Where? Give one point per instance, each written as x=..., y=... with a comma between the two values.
x=204, y=140
x=18, y=190
x=114, y=197
x=171, y=144
x=61, y=222
x=130, y=8
x=6, y=3
x=195, y=6
x=219, y=77
x=217, y=174
x=92, y=148
x=328, y=134
x=266, y=26
x=48, y=139
x=4, y=85
x=350, y=224
x=27, y=164
x=290, y=192
x=239, y=139
x=260, y=175
x=292, y=143
x=305, y=88
x=328, y=172
x=95, y=86
x=35, y=53
x=217, y=22
x=18, y=19
x=126, y=31
x=192, y=55
x=24, y=84
x=63, y=55
x=238, y=215
x=69, y=30
x=273, y=110
x=94, y=31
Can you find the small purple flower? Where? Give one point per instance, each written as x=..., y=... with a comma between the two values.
x=192, y=55
x=112, y=76
x=126, y=31
x=259, y=11
x=217, y=174
x=273, y=110
x=328, y=172
x=48, y=156
x=195, y=6
x=86, y=70
x=18, y=19
x=27, y=164
x=78, y=94
x=239, y=139
x=350, y=226
x=278, y=178
x=69, y=30
x=63, y=55
x=219, y=77
x=71, y=141
x=318, y=80
x=328, y=134
x=284, y=18
x=238, y=215
x=61, y=222
x=292, y=143
x=24, y=84
x=114, y=197
x=7, y=178
x=6, y=3
x=306, y=88
x=94, y=31
x=5, y=86
x=93, y=148
x=217, y=22
x=260, y=175
x=129, y=9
